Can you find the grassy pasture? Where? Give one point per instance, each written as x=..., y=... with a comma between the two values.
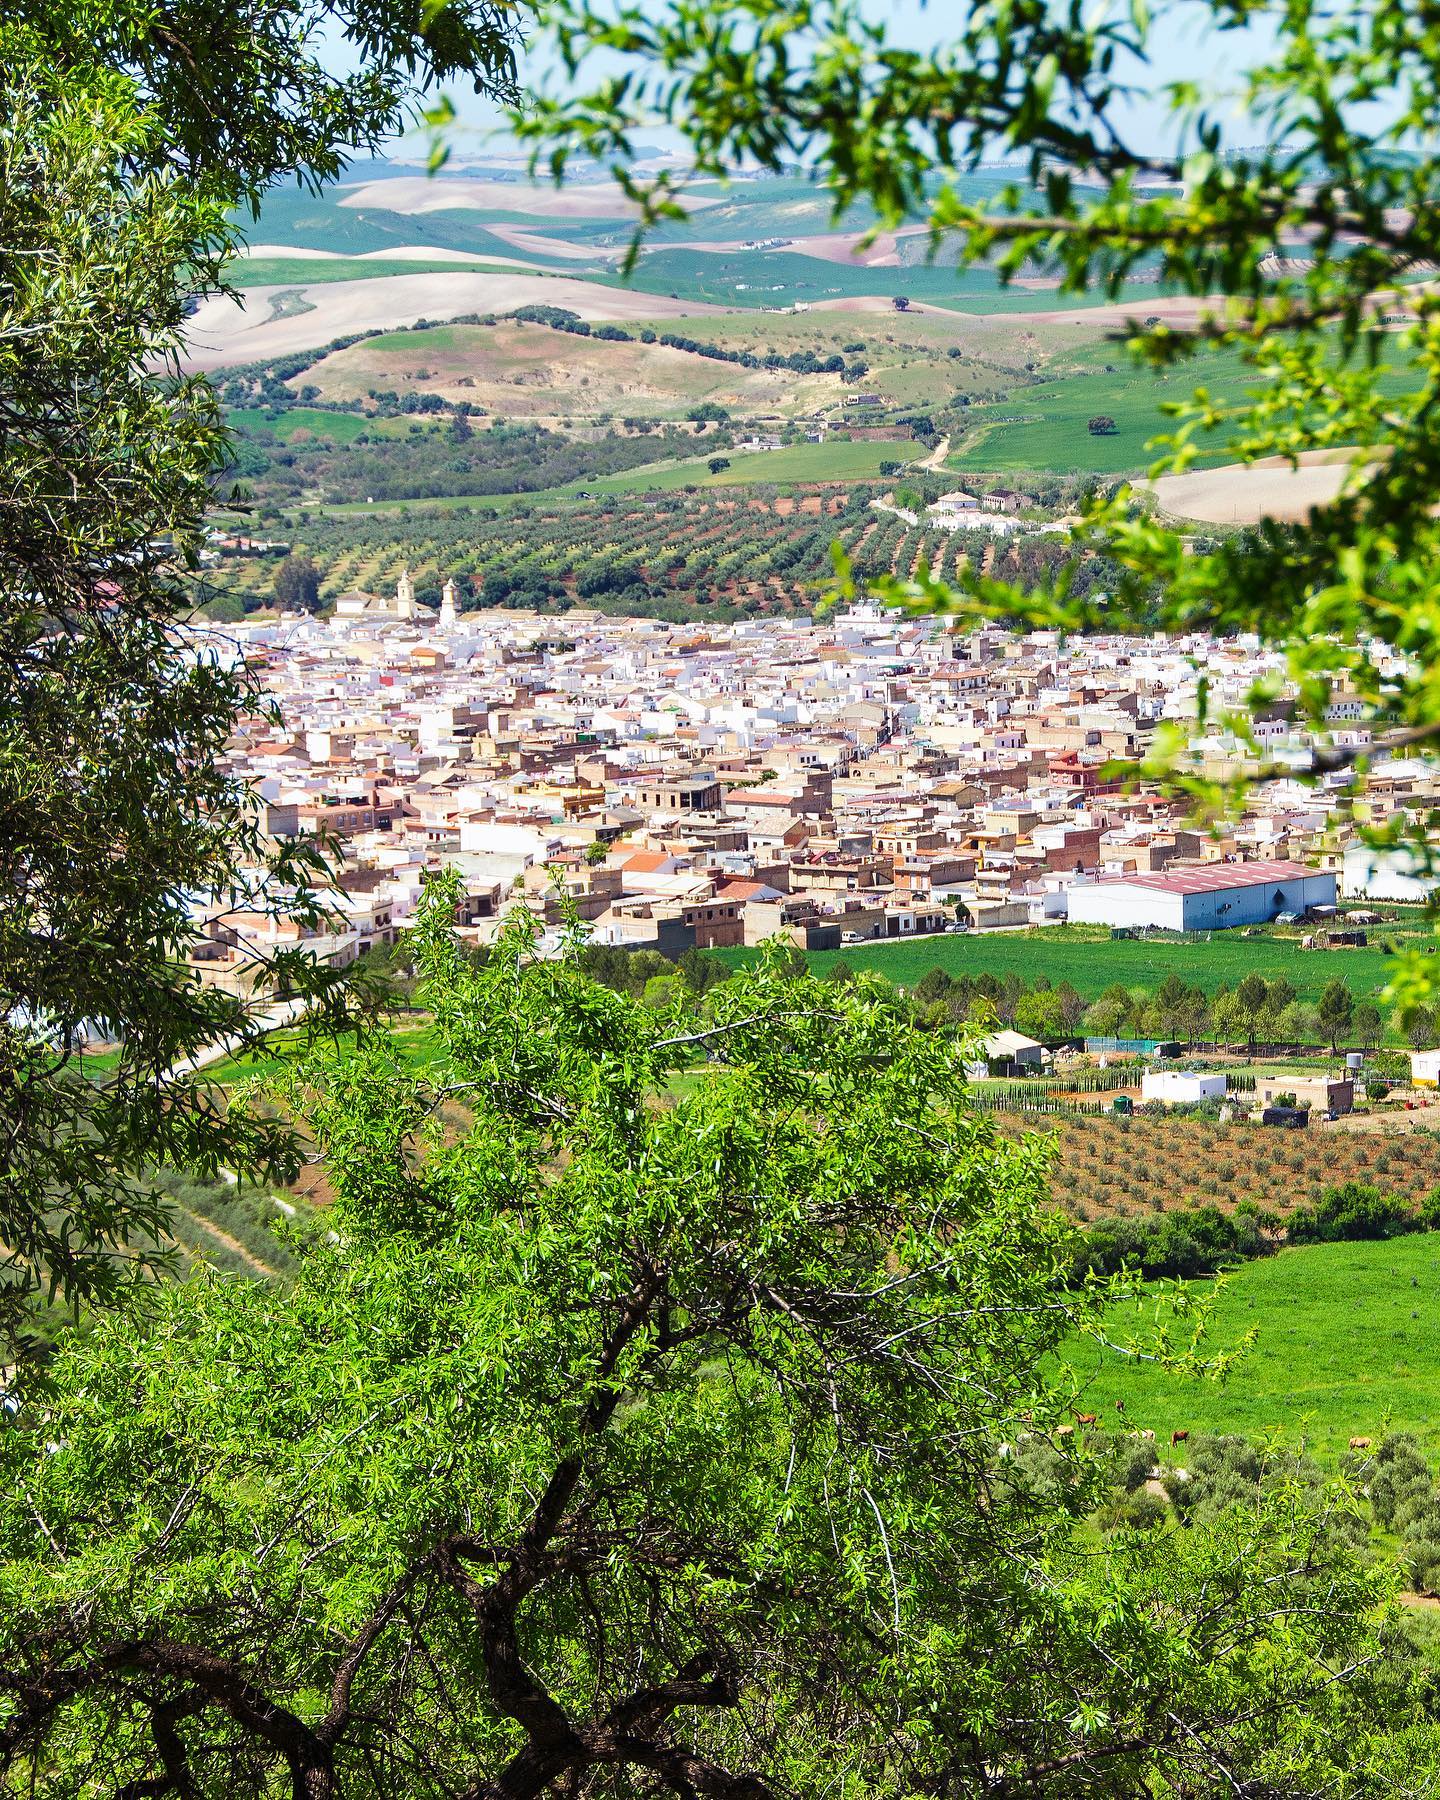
x=416, y=1046
x=1348, y=1344
x=837, y=460
x=340, y=428
x=1050, y=419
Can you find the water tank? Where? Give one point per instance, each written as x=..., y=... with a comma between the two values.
x=1354, y=1059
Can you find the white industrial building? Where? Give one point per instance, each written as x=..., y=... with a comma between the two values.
x=1212, y=898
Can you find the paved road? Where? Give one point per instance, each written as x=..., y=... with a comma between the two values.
x=284, y=1012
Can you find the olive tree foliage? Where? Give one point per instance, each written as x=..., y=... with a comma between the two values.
x=127, y=135
x=641, y=1422
x=1301, y=257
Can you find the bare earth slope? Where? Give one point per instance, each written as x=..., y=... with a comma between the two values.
x=1245, y=493
x=530, y=200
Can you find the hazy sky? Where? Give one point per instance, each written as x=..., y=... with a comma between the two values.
x=1184, y=47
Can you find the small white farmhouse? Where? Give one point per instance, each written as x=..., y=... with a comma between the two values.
x=1425, y=1068
x=1181, y=1087
x=950, y=506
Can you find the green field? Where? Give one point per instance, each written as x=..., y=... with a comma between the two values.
x=838, y=460
x=1090, y=961
x=1348, y=1345
x=416, y=1046
x=339, y=427
x=1050, y=428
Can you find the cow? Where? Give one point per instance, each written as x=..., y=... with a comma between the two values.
x=1359, y=1443
x=1120, y=1406
x=1087, y=1418
x=1146, y=1437
x=1178, y=1437
x=1064, y=1431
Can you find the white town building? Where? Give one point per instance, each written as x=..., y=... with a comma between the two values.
x=1397, y=873
x=1213, y=898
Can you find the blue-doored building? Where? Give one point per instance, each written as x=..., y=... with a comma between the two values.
x=1212, y=898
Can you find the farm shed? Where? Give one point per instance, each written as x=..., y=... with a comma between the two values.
x=1425, y=1068
x=1002, y=1052
x=1214, y=898
x=1181, y=1087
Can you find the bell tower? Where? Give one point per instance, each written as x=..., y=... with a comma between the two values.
x=447, y=605
x=405, y=596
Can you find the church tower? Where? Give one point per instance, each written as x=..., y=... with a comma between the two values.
x=405, y=596
x=447, y=605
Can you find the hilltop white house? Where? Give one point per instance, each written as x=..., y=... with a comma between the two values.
x=1212, y=898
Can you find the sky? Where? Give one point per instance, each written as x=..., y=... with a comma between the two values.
x=1184, y=45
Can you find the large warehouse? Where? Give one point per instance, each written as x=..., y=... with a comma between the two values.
x=1209, y=899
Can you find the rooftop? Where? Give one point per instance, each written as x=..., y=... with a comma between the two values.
x=1214, y=879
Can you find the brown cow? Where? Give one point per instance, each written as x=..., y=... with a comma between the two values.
x=1087, y=1418
x=1359, y=1443
x=1120, y=1406
x=1178, y=1437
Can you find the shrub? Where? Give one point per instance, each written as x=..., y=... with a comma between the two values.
x=1351, y=1213
x=1400, y=1480
x=1422, y=1551
x=1226, y=1471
